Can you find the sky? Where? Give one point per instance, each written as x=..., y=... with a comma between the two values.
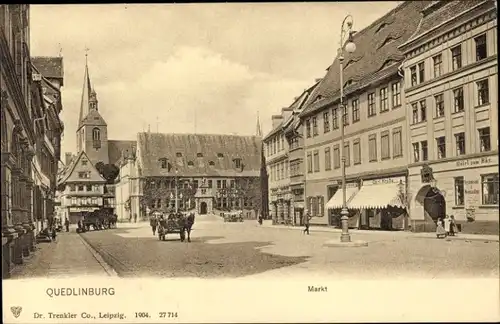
x=186, y=68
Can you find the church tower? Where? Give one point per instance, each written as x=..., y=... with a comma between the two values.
x=92, y=130
x=258, y=131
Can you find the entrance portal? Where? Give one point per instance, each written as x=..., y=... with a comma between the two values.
x=434, y=205
x=203, y=208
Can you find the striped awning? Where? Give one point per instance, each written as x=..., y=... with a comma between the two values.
x=377, y=196
x=336, y=201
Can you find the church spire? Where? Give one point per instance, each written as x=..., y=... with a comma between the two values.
x=86, y=93
x=258, y=131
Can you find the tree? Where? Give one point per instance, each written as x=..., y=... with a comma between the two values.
x=108, y=171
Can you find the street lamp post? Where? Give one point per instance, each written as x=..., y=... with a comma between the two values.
x=349, y=47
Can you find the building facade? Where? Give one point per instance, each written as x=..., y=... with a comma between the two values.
x=374, y=124
x=206, y=174
x=451, y=81
x=30, y=129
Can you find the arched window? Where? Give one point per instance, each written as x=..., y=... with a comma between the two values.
x=96, y=134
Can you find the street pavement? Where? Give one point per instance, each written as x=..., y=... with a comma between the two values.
x=68, y=256
x=224, y=250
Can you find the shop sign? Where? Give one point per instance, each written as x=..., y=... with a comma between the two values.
x=395, y=180
x=472, y=191
x=81, y=209
x=426, y=174
x=475, y=162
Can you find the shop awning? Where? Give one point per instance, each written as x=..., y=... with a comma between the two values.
x=336, y=200
x=377, y=196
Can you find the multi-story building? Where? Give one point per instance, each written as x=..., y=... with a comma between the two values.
x=48, y=78
x=375, y=128
x=198, y=172
x=280, y=195
x=451, y=81
x=30, y=129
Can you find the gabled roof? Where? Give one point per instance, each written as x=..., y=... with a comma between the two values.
x=117, y=148
x=95, y=175
x=49, y=67
x=439, y=12
x=376, y=51
x=93, y=118
x=155, y=146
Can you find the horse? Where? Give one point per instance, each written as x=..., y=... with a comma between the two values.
x=188, y=225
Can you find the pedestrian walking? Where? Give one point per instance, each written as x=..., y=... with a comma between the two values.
x=447, y=224
x=66, y=223
x=453, y=226
x=154, y=223
x=54, y=233
x=307, y=217
x=135, y=218
x=440, y=231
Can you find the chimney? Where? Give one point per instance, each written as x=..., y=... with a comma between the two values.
x=277, y=119
x=67, y=158
x=286, y=112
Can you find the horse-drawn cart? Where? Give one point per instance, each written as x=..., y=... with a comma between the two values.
x=98, y=220
x=172, y=224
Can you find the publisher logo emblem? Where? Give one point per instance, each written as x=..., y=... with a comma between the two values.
x=16, y=311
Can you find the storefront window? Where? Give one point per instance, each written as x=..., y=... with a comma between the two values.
x=490, y=189
x=459, y=191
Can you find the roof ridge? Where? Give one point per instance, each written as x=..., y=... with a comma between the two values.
x=198, y=134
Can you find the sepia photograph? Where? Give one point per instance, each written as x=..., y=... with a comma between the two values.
x=258, y=162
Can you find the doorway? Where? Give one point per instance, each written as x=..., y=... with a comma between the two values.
x=203, y=208
x=434, y=206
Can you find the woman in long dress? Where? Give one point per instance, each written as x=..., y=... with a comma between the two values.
x=440, y=231
x=447, y=224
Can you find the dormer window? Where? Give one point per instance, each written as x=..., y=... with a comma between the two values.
x=164, y=163
x=220, y=155
x=200, y=155
x=84, y=162
x=237, y=163
x=178, y=154
x=211, y=163
x=190, y=164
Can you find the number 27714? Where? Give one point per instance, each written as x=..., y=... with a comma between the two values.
x=168, y=314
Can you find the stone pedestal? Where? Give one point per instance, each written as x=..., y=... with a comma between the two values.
x=8, y=237
x=17, y=258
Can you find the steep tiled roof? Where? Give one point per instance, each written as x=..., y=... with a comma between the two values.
x=376, y=50
x=116, y=148
x=95, y=177
x=93, y=118
x=154, y=146
x=49, y=67
x=441, y=11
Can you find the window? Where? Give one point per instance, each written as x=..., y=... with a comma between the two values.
x=372, y=110
x=489, y=189
x=282, y=142
x=355, y=110
x=164, y=163
x=458, y=100
x=316, y=161
x=190, y=164
x=383, y=100
x=308, y=128
x=237, y=163
x=414, y=111
x=438, y=65
x=356, y=152
x=425, y=150
x=326, y=122
x=209, y=183
x=459, y=191
x=481, y=50
x=397, y=142
x=346, y=116
x=347, y=154
x=96, y=134
x=456, y=57
x=219, y=184
x=88, y=188
x=372, y=148
x=336, y=157
x=416, y=152
x=460, y=142
x=315, y=126
x=423, y=110
x=441, y=147
x=396, y=95
x=211, y=163
x=84, y=162
x=484, y=139
x=321, y=206
x=335, y=118
x=413, y=75
x=328, y=159
x=80, y=188
x=439, y=100
x=220, y=155
x=483, y=94
x=421, y=72
x=309, y=163
x=83, y=175
x=385, y=152
x=71, y=187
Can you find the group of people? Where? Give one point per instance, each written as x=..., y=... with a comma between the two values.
x=446, y=227
x=184, y=222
